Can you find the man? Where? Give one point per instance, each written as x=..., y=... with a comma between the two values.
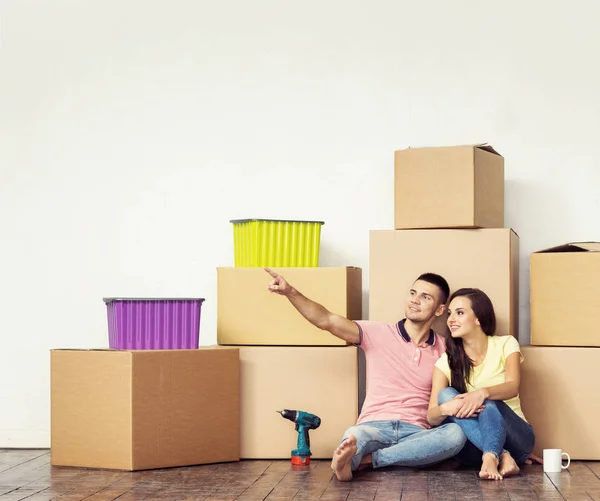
x=392, y=428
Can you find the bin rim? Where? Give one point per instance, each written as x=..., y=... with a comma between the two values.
x=237, y=221
x=113, y=299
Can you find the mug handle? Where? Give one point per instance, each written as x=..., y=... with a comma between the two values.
x=568, y=460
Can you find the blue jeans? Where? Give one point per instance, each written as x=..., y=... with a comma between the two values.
x=396, y=443
x=497, y=429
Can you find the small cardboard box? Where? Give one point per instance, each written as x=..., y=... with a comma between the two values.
x=558, y=397
x=319, y=380
x=449, y=187
x=137, y=410
x=484, y=258
x=565, y=295
x=249, y=314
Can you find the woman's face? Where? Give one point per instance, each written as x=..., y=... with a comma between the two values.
x=461, y=317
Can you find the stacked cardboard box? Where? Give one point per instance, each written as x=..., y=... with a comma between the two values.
x=136, y=410
x=449, y=219
x=285, y=362
x=560, y=376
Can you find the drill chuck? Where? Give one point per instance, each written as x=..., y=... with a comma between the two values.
x=287, y=414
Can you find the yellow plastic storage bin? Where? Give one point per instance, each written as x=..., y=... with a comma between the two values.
x=277, y=243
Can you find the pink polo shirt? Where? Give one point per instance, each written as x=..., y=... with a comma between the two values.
x=398, y=373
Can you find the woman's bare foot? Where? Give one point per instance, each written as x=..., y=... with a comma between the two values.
x=489, y=468
x=342, y=456
x=508, y=466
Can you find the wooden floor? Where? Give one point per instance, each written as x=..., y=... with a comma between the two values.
x=27, y=474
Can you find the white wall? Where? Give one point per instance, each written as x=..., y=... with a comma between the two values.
x=131, y=131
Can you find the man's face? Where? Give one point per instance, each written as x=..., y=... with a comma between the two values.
x=424, y=302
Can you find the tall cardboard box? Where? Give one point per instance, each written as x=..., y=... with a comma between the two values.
x=487, y=259
x=558, y=392
x=136, y=410
x=449, y=187
x=565, y=295
x=319, y=380
x=249, y=314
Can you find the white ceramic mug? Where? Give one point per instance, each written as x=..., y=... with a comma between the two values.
x=553, y=460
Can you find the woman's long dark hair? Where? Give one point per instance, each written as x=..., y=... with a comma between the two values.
x=460, y=363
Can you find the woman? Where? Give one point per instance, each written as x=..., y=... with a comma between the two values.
x=476, y=385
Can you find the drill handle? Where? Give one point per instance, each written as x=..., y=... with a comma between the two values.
x=303, y=439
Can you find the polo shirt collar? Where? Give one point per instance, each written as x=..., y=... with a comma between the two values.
x=406, y=337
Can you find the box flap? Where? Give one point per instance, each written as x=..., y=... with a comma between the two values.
x=573, y=247
x=486, y=147
x=481, y=146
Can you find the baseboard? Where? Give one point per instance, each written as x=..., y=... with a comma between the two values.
x=24, y=439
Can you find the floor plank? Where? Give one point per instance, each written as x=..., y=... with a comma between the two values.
x=27, y=475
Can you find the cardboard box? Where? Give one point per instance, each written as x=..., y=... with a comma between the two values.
x=567, y=276
x=319, y=380
x=449, y=187
x=558, y=397
x=136, y=410
x=487, y=259
x=249, y=314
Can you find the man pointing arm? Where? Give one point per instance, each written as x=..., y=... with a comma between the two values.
x=315, y=313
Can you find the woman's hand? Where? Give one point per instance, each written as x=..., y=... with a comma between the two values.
x=470, y=403
x=452, y=407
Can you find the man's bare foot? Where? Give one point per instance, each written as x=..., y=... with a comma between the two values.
x=508, y=466
x=489, y=468
x=342, y=456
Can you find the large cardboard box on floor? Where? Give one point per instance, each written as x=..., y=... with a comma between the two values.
x=249, y=314
x=558, y=392
x=564, y=277
x=449, y=187
x=319, y=380
x=136, y=410
x=487, y=259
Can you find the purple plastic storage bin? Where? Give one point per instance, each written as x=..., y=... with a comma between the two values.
x=153, y=323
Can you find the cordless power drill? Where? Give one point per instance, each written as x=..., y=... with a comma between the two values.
x=304, y=422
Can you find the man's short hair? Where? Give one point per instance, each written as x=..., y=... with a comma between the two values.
x=438, y=281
